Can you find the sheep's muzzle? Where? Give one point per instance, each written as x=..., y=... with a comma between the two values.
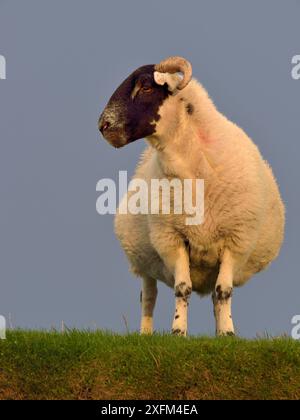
x=113, y=133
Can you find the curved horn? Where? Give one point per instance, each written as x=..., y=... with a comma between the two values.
x=174, y=65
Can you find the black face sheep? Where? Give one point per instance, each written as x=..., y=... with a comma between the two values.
x=243, y=225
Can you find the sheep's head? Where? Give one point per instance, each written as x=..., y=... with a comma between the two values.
x=132, y=112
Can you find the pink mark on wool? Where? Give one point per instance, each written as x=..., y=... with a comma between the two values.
x=204, y=137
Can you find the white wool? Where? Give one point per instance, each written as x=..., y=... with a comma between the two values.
x=244, y=215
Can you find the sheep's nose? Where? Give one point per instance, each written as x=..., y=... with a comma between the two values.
x=103, y=125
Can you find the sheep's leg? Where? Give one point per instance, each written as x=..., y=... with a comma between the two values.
x=148, y=299
x=178, y=263
x=174, y=254
x=222, y=297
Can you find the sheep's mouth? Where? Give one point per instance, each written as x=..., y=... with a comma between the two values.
x=115, y=138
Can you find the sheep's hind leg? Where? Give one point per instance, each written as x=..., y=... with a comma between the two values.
x=222, y=297
x=148, y=299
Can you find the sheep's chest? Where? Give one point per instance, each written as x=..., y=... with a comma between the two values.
x=203, y=242
x=203, y=255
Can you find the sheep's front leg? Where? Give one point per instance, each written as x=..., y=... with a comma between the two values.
x=183, y=290
x=148, y=299
x=222, y=297
x=172, y=250
x=176, y=259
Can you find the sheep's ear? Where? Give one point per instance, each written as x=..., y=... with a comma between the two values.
x=172, y=80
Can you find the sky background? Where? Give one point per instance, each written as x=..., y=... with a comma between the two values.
x=60, y=260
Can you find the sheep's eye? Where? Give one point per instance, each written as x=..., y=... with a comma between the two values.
x=147, y=89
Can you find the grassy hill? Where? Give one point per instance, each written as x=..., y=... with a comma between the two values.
x=86, y=365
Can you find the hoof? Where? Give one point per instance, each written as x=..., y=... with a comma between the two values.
x=226, y=334
x=178, y=332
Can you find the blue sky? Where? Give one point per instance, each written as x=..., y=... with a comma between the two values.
x=59, y=259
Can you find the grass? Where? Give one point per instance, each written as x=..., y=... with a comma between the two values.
x=98, y=365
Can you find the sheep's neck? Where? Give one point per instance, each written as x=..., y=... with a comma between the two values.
x=184, y=156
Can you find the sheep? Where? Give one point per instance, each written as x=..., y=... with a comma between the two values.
x=188, y=138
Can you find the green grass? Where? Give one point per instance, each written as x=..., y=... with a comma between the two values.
x=89, y=365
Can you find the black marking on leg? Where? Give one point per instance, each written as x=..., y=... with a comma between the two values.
x=182, y=290
x=177, y=331
x=223, y=295
x=177, y=316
